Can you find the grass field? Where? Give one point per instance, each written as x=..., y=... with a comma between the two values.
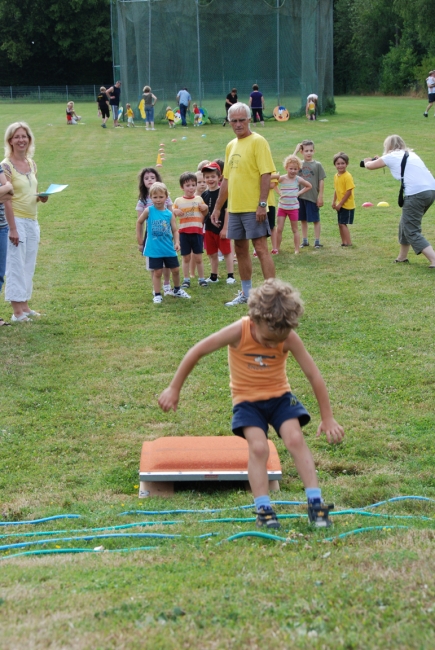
x=79, y=396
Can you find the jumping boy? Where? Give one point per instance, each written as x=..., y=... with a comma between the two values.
x=258, y=346
x=313, y=172
x=216, y=236
x=191, y=210
x=161, y=243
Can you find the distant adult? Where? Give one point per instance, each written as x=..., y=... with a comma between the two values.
x=183, y=99
x=430, y=81
x=419, y=194
x=22, y=216
x=103, y=106
x=114, y=93
x=256, y=102
x=246, y=184
x=231, y=99
x=149, y=101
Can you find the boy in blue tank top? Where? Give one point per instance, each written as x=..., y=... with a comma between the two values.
x=162, y=241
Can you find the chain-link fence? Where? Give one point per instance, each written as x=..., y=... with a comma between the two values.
x=45, y=94
x=211, y=46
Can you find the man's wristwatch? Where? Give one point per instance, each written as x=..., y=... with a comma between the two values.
x=262, y=204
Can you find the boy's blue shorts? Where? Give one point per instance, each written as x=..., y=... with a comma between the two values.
x=345, y=216
x=274, y=411
x=308, y=211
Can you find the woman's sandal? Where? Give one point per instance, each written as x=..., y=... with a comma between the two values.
x=401, y=261
x=3, y=322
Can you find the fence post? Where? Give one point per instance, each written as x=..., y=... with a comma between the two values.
x=11, y=91
x=95, y=96
x=66, y=93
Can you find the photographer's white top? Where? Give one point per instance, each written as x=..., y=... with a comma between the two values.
x=417, y=177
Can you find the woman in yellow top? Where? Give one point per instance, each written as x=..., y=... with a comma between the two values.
x=22, y=216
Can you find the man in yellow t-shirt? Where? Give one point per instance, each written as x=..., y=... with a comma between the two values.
x=246, y=185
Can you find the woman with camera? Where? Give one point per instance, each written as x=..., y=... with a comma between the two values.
x=419, y=194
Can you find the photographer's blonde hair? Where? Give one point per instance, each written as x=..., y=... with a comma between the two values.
x=10, y=131
x=394, y=143
x=277, y=304
x=293, y=159
x=158, y=187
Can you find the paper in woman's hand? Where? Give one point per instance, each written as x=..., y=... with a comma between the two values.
x=53, y=189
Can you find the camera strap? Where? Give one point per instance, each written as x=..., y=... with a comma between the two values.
x=400, y=200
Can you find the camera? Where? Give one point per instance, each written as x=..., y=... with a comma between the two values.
x=362, y=163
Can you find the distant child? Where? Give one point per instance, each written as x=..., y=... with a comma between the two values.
x=258, y=347
x=196, y=115
x=71, y=115
x=147, y=177
x=162, y=241
x=191, y=210
x=289, y=192
x=202, y=164
x=130, y=115
x=201, y=184
x=216, y=236
x=103, y=106
x=343, y=201
x=309, y=206
x=311, y=106
x=170, y=117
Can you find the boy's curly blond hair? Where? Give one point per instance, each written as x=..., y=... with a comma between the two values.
x=277, y=304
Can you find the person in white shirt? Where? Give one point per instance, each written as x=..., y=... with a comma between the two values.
x=419, y=194
x=430, y=91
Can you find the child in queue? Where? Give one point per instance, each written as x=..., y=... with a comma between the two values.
x=289, y=192
x=343, y=201
x=191, y=210
x=258, y=347
x=309, y=206
x=162, y=242
x=147, y=177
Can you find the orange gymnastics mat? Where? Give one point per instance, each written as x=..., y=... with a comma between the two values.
x=198, y=458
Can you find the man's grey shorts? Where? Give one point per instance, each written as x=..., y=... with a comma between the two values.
x=244, y=225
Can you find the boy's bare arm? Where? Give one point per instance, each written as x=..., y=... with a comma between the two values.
x=175, y=233
x=298, y=149
x=222, y=197
x=229, y=335
x=334, y=431
x=139, y=227
x=343, y=200
x=320, y=194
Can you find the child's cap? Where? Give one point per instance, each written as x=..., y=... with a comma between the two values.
x=212, y=167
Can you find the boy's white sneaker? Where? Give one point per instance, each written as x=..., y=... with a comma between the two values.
x=231, y=280
x=210, y=281
x=158, y=299
x=181, y=294
x=167, y=290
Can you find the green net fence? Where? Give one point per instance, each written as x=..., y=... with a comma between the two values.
x=211, y=46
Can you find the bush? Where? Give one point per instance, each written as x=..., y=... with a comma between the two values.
x=398, y=70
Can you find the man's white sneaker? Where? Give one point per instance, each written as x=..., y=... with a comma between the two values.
x=240, y=299
x=231, y=280
x=181, y=294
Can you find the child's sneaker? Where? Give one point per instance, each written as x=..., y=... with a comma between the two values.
x=185, y=284
x=158, y=299
x=266, y=517
x=210, y=281
x=318, y=514
x=180, y=294
x=240, y=299
x=168, y=291
x=318, y=245
x=274, y=251
x=425, y=114
x=202, y=283
x=231, y=280
x=304, y=245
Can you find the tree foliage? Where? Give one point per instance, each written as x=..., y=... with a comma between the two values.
x=55, y=41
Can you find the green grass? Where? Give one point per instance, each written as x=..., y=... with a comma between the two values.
x=79, y=396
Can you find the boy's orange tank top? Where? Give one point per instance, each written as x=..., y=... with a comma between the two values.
x=256, y=373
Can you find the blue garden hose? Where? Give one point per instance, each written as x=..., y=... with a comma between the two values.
x=276, y=538
x=38, y=521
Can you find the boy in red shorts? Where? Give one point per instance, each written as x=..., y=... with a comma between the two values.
x=215, y=238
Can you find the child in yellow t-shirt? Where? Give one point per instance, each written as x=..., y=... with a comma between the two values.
x=258, y=347
x=343, y=201
x=130, y=115
x=170, y=117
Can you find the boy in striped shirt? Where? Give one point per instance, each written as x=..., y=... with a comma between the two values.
x=191, y=211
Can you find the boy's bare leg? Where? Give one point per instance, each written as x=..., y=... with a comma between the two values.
x=229, y=262
x=257, y=463
x=199, y=264
x=157, y=276
x=296, y=236
x=214, y=263
x=304, y=228
x=192, y=267
x=186, y=264
x=166, y=276
x=345, y=234
x=293, y=438
x=266, y=262
x=317, y=230
x=176, y=276
x=280, y=230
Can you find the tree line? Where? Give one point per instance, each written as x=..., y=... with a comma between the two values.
x=379, y=45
